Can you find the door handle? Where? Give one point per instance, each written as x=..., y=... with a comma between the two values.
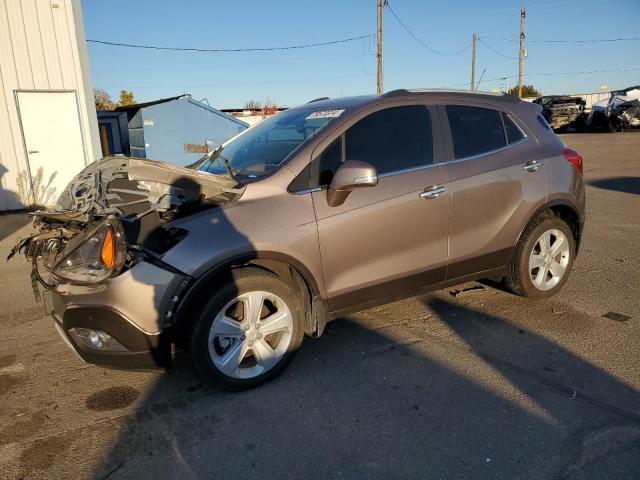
x=433, y=192
x=533, y=165
x=32, y=151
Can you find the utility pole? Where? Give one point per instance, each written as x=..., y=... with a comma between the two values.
x=473, y=63
x=379, y=38
x=521, y=59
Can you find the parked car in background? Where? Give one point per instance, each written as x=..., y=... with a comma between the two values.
x=323, y=209
x=620, y=112
x=563, y=112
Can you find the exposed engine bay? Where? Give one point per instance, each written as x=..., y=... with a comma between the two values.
x=562, y=112
x=114, y=212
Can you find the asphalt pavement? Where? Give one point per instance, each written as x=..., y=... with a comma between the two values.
x=466, y=382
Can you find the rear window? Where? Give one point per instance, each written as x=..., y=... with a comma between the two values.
x=514, y=134
x=542, y=121
x=475, y=130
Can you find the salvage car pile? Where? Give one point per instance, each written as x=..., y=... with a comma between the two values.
x=619, y=112
x=562, y=111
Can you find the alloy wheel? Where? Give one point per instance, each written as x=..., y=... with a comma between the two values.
x=250, y=334
x=549, y=259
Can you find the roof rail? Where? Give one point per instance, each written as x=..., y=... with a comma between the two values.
x=396, y=93
x=318, y=99
x=401, y=92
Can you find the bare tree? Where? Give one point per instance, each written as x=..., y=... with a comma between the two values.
x=270, y=107
x=252, y=105
x=103, y=100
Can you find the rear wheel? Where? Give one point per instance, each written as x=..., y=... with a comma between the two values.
x=543, y=258
x=248, y=331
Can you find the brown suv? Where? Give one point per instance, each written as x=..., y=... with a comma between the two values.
x=326, y=208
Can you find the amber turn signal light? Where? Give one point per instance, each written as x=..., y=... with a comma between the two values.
x=108, y=250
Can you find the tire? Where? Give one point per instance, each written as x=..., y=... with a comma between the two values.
x=251, y=354
x=535, y=282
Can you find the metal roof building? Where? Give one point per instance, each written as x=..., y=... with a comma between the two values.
x=178, y=129
x=48, y=128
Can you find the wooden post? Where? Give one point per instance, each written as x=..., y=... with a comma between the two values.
x=521, y=59
x=473, y=63
x=379, y=38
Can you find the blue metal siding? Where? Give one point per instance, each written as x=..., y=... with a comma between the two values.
x=136, y=136
x=172, y=128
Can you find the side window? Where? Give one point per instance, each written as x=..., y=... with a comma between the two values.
x=543, y=121
x=514, y=133
x=474, y=130
x=392, y=139
x=327, y=163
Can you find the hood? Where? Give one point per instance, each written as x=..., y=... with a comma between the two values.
x=139, y=195
x=124, y=186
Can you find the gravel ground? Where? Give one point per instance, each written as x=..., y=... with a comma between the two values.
x=479, y=385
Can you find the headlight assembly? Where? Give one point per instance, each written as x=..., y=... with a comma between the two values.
x=95, y=256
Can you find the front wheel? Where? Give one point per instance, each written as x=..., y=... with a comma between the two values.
x=248, y=331
x=543, y=258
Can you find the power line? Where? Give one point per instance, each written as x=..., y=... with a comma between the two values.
x=584, y=72
x=446, y=54
x=254, y=49
x=593, y=40
x=496, y=51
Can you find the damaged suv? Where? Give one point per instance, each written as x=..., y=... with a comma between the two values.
x=323, y=209
x=563, y=112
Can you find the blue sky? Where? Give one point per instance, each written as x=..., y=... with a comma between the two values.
x=291, y=77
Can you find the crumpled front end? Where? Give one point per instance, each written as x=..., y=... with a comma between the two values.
x=97, y=258
x=562, y=112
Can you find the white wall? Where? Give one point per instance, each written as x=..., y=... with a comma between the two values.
x=42, y=47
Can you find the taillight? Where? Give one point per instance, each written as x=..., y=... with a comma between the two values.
x=574, y=157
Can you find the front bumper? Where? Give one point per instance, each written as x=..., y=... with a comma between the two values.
x=137, y=349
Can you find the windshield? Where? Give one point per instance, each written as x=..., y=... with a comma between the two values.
x=263, y=148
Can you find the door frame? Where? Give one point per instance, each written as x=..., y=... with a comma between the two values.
x=24, y=141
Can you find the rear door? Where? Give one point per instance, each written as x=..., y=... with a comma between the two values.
x=392, y=238
x=497, y=176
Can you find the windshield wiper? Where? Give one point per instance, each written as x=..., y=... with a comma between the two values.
x=216, y=153
x=205, y=157
x=232, y=171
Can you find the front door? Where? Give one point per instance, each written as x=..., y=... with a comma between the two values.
x=387, y=240
x=53, y=142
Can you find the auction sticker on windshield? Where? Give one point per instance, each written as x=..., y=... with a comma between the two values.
x=325, y=114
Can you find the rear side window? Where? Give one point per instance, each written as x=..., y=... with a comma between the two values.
x=514, y=134
x=542, y=121
x=475, y=130
x=392, y=139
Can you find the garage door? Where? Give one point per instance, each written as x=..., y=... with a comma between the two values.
x=53, y=141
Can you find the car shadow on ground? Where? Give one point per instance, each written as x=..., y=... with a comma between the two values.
x=362, y=403
x=11, y=222
x=618, y=184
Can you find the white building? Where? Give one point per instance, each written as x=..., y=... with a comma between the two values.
x=48, y=127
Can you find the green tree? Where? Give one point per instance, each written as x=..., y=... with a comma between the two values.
x=527, y=91
x=126, y=98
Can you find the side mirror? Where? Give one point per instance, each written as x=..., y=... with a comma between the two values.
x=351, y=175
